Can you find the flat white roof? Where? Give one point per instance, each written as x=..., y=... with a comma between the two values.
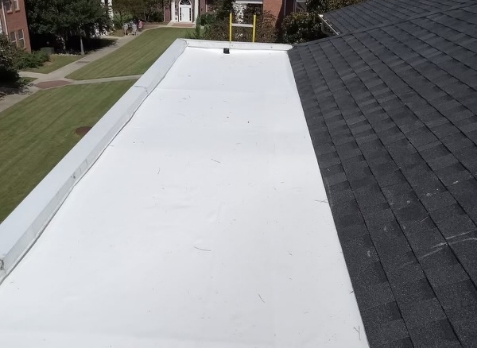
x=204, y=223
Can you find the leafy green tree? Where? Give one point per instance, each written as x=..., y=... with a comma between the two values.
x=301, y=27
x=8, y=71
x=128, y=7
x=141, y=9
x=222, y=9
x=65, y=18
x=322, y=6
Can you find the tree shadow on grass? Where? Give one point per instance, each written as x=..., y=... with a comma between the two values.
x=18, y=87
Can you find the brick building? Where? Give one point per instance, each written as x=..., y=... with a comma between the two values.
x=279, y=8
x=186, y=11
x=13, y=22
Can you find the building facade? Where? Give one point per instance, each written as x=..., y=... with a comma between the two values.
x=13, y=23
x=186, y=11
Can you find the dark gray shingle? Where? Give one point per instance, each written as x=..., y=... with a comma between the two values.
x=392, y=116
x=377, y=12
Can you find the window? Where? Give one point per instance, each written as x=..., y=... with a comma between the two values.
x=21, y=39
x=7, y=5
x=13, y=38
x=16, y=5
x=300, y=6
x=209, y=5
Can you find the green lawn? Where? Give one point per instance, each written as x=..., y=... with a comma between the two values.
x=55, y=63
x=36, y=133
x=133, y=58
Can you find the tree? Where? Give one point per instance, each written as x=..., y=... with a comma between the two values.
x=8, y=52
x=143, y=9
x=65, y=18
x=222, y=9
x=131, y=7
x=84, y=17
x=301, y=27
x=322, y=6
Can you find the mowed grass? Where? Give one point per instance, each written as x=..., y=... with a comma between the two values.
x=56, y=62
x=133, y=58
x=36, y=134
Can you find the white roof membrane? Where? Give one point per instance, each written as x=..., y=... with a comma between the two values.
x=203, y=224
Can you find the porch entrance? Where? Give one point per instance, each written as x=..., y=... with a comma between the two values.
x=185, y=11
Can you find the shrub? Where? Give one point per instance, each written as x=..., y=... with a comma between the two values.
x=323, y=6
x=198, y=32
x=27, y=60
x=119, y=19
x=207, y=19
x=155, y=16
x=8, y=70
x=301, y=27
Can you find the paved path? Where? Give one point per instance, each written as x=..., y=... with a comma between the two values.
x=57, y=78
x=12, y=99
x=68, y=69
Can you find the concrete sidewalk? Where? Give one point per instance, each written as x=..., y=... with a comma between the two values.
x=57, y=78
x=11, y=99
x=68, y=69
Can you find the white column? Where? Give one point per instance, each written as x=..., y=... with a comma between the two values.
x=110, y=9
x=173, y=10
x=196, y=9
x=5, y=22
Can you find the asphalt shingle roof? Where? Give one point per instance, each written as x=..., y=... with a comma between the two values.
x=376, y=12
x=392, y=115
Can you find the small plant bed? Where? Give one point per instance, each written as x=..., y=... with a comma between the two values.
x=56, y=62
x=24, y=81
x=18, y=87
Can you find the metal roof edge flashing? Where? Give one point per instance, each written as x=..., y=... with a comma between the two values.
x=20, y=230
x=237, y=45
x=324, y=22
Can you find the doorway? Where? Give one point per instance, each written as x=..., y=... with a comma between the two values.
x=185, y=11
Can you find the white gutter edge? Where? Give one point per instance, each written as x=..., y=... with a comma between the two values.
x=24, y=225
x=237, y=45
